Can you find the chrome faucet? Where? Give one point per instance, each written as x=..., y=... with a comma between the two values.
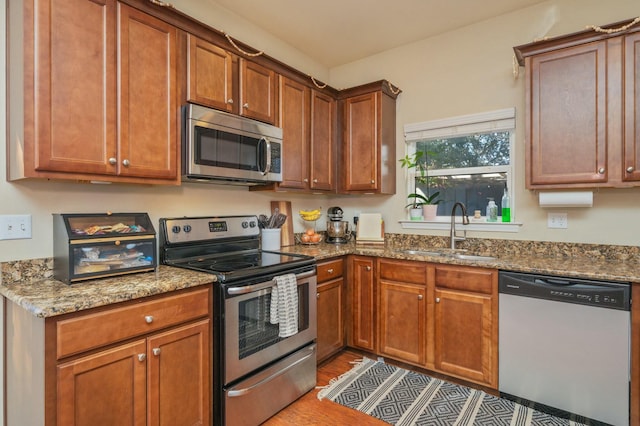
x=465, y=221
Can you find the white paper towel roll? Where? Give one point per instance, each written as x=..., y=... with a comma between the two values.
x=566, y=199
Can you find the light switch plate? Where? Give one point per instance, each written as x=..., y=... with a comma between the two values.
x=15, y=226
x=557, y=220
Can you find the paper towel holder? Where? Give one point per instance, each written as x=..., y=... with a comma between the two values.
x=565, y=199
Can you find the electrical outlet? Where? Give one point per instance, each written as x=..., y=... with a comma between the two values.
x=15, y=226
x=557, y=220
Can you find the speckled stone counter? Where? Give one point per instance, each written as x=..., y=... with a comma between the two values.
x=589, y=261
x=30, y=284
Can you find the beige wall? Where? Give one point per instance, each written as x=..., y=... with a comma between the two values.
x=462, y=72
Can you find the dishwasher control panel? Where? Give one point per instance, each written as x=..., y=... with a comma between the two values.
x=570, y=290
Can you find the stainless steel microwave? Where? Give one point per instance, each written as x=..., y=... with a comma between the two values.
x=219, y=147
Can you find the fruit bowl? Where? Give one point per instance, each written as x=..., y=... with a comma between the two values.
x=318, y=239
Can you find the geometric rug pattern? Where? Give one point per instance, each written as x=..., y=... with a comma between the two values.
x=403, y=398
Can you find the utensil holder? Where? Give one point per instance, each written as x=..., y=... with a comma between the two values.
x=271, y=239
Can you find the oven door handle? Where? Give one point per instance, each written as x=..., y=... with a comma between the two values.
x=244, y=391
x=234, y=291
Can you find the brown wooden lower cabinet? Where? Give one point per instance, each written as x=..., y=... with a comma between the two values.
x=439, y=317
x=330, y=308
x=143, y=362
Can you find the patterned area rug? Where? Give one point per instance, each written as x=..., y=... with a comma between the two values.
x=401, y=397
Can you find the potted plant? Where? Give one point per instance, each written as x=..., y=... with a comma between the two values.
x=422, y=206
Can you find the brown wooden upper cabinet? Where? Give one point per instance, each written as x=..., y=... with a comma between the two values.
x=369, y=137
x=96, y=97
x=210, y=75
x=582, y=99
x=308, y=121
x=258, y=91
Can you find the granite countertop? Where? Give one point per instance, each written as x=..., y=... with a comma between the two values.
x=31, y=285
x=46, y=297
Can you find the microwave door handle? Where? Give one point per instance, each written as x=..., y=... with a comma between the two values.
x=267, y=154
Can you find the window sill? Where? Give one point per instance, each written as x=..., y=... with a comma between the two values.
x=445, y=225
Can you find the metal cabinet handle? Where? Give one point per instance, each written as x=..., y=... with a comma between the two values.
x=601, y=170
x=246, y=105
x=230, y=101
x=113, y=161
x=126, y=162
x=156, y=351
x=315, y=181
x=419, y=297
x=317, y=295
x=373, y=181
x=305, y=180
x=148, y=319
x=142, y=357
x=437, y=300
x=330, y=271
x=368, y=268
x=630, y=169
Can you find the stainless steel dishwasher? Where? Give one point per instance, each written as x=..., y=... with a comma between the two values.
x=565, y=343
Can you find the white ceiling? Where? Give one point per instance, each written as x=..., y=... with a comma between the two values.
x=336, y=32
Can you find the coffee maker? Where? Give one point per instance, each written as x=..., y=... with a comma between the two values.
x=337, y=229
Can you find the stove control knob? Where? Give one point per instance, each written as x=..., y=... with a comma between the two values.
x=175, y=229
x=252, y=224
x=245, y=224
x=186, y=228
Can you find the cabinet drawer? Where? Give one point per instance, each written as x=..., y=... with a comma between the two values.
x=329, y=270
x=89, y=331
x=403, y=271
x=477, y=280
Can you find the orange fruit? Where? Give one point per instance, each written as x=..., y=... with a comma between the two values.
x=315, y=238
x=310, y=232
x=305, y=238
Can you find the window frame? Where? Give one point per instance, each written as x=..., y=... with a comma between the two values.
x=491, y=121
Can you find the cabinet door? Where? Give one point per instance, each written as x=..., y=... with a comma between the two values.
x=107, y=388
x=463, y=330
x=74, y=87
x=294, y=120
x=631, y=151
x=322, y=145
x=210, y=75
x=361, y=155
x=362, y=303
x=330, y=321
x=148, y=143
x=257, y=92
x=567, y=121
x=401, y=327
x=179, y=376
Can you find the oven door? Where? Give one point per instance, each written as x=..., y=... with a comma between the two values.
x=251, y=341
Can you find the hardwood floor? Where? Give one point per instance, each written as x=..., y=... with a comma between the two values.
x=308, y=410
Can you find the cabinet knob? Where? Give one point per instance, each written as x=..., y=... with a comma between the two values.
x=373, y=181
x=246, y=105
x=368, y=268
x=419, y=297
x=330, y=271
x=305, y=180
x=117, y=243
x=148, y=319
x=126, y=162
x=142, y=357
x=630, y=169
x=113, y=161
x=315, y=181
x=437, y=300
x=230, y=101
x=317, y=295
x=156, y=351
x=601, y=170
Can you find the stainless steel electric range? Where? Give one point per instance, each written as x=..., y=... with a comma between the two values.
x=256, y=373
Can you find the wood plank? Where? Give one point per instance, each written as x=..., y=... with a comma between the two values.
x=286, y=236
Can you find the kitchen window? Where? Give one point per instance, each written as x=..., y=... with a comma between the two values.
x=468, y=159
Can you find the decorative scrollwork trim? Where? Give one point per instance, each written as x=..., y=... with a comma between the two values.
x=163, y=4
x=613, y=30
x=233, y=43
x=319, y=86
x=394, y=91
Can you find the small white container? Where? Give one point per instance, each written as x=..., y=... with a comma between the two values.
x=271, y=239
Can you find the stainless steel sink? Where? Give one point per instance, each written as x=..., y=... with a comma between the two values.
x=473, y=257
x=423, y=252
